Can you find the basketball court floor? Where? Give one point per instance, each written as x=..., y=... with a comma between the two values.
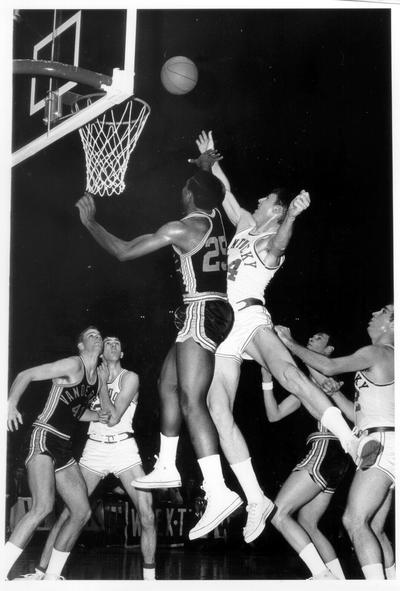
x=195, y=562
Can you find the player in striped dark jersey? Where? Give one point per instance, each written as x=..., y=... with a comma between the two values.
x=50, y=463
x=203, y=321
x=309, y=487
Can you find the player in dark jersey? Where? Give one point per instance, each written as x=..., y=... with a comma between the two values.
x=203, y=321
x=50, y=463
x=307, y=492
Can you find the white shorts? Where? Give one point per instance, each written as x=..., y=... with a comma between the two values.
x=386, y=461
x=247, y=322
x=106, y=458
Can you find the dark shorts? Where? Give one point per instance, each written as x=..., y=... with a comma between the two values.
x=326, y=462
x=41, y=441
x=208, y=322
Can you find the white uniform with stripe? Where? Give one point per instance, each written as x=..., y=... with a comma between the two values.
x=374, y=407
x=247, y=277
x=103, y=452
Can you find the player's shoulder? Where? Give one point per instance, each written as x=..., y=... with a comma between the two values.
x=71, y=369
x=245, y=221
x=129, y=376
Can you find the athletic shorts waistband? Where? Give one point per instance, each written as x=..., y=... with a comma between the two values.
x=114, y=438
x=204, y=297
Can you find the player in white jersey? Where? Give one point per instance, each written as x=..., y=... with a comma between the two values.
x=370, y=494
x=111, y=449
x=255, y=253
x=307, y=492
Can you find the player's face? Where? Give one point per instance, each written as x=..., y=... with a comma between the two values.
x=92, y=340
x=381, y=320
x=112, y=349
x=318, y=342
x=265, y=207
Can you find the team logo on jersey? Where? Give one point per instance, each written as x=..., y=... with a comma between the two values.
x=246, y=253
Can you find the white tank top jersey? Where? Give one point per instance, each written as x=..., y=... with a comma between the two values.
x=373, y=403
x=247, y=275
x=125, y=424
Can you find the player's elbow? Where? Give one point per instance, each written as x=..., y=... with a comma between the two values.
x=273, y=418
x=113, y=421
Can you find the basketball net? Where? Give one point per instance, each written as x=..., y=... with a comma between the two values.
x=108, y=142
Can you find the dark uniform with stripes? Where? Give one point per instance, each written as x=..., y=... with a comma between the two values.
x=206, y=316
x=51, y=431
x=326, y=462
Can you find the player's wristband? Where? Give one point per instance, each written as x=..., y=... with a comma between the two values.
x=267, y=385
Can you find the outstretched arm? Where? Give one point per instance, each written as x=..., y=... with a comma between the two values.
x=362, y=359
x=48, y=371
x=205, y=144
x=279, y=242
x=171, y=233
x=276, y=412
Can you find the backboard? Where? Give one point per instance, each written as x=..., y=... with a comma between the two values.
x=85, y=42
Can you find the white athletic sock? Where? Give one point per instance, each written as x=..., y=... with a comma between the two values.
x=149, y=572
x=168, y=447
x=390, y=572
x=248, y=480
x=313, y=560
x=373, y=571
x=57, y=562
x=11, y=553
x=212, y=471
x=333, y=420
x=336, y=568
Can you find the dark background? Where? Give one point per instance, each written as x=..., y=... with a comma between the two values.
x=294, y=97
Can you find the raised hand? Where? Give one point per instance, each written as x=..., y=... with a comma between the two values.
x=283, y=333
x=87, y=209
x=300, y=203
x=14, y=418
x=205, y=141
x=206, y=160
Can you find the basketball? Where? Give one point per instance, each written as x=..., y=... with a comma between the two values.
x=179, y=75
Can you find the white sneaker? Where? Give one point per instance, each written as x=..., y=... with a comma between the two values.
x=49, y=577
x=220, y=504
x=368, y=452
x=258, y=513
x=38, y=575
x=160, y=477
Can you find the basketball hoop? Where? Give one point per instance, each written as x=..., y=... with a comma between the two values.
x=108, y=142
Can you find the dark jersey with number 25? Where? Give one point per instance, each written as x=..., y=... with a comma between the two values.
x=202, y=271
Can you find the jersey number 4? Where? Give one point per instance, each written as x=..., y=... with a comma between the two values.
x=233, y=269
x=217, y=250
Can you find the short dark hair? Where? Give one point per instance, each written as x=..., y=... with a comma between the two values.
x=207, y=190
x=80, y=335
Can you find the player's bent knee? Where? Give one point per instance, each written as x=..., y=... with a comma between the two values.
x=41, y=509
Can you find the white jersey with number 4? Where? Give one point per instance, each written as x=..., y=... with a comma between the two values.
x=125, y=424
x=247, y=275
